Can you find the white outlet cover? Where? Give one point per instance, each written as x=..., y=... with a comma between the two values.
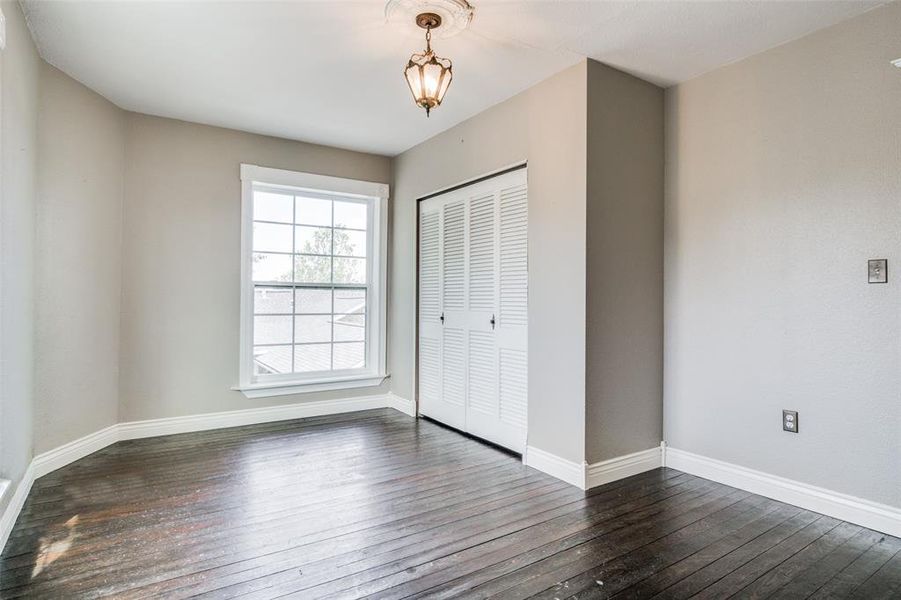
x=2, y=30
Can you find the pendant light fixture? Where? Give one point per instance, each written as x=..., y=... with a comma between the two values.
x=427, y=74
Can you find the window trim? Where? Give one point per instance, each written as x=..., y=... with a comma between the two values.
x=377, y=246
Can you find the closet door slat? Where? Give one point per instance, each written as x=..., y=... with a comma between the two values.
x=514, y=268
x=482, y=242
x=453, y=268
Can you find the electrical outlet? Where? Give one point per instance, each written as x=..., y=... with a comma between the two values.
x=790, y=421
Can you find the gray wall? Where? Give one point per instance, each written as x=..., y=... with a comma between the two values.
x=782, y=180
x=81, y=146
x=624, y=370
x=181, y=247
x=545, y=125
x=19, y=68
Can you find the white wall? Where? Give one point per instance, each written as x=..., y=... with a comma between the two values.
x=81, y=149
x=545, y=125
x=783, y=178
x=181, y=259
x=18, y=159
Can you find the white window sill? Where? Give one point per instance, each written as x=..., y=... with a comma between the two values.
x=285, y=388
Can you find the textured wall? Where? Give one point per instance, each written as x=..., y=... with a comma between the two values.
x=181, y=256
x=19, y=65
x=624, y=335
x=78, y=265
x=782, y=180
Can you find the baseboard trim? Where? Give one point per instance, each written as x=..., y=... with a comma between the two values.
x=587, y=476
x=253, y=416
x=11, y=513
x=880, y=517
x=50, y=461
x=555, y=466
x=408, y=407
x=624, y=466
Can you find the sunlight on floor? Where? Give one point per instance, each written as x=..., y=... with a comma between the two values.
x=55, y=546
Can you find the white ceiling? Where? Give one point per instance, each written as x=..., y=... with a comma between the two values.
x=331, y=71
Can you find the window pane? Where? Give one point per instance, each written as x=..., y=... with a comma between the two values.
x=350, y=301
x=312, y=211
x=313, y=240
x=313, y=300
x=272, y=300
x=312, y=328
x=350, y=214
x=350, y=270
x=269, y=360
x=315, y=357
x=272, y=238
x=349, y=242
x=273, y=207
x=272, y=330
x=350, y=328
x=315, y=243
x=312, y=269
x=350, y=356
x=271, y=267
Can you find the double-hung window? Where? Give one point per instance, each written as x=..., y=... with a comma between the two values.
x=313, y=280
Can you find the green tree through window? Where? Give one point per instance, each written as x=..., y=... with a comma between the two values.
x=313, y=269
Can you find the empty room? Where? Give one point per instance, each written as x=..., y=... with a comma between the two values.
x=392, y=299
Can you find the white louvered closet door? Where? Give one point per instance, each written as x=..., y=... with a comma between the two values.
x=442, y=393
x=473, y=306
x=513, y=304
x=453, y=317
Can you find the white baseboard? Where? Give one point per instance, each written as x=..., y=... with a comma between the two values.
x=555, y=466
x=11, y=513
x=405, y=406
x=587, y=476
x=624, y=466
x=252, y=416
x=881, y=517
x=49, y=461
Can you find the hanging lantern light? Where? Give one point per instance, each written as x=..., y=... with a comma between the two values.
x=428, y=75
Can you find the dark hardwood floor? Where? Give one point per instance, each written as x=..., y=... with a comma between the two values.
x=377, y=504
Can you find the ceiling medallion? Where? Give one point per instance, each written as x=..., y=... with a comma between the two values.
x=427, y=74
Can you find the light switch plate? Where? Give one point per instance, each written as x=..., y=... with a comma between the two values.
x=878, y=270
x=2, y=30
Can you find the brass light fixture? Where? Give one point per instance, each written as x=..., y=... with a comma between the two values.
x=428, y=75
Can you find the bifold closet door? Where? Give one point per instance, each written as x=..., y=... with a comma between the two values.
x=432, y=371
x=473, y=302
x=498, y=376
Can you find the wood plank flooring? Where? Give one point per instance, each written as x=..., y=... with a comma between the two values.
x=377, y=504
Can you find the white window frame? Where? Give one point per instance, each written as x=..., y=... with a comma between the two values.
x=336, y=188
